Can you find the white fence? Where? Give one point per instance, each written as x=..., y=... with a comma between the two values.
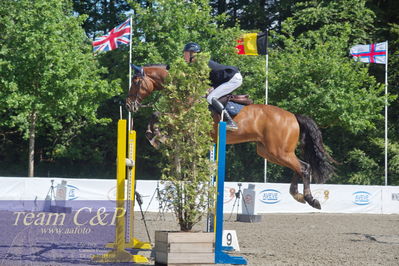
x=22, y=192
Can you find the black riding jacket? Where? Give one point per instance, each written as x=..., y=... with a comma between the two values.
x=220, y=73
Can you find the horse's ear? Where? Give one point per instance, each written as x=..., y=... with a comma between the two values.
x=138, y=70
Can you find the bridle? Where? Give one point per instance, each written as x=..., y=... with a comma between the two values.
x=138, y=98
x=143, y=85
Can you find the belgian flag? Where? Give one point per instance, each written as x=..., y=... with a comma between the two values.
x=252, y=44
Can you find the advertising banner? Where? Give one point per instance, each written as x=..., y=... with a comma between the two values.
x=390, y=198
x=31, y=193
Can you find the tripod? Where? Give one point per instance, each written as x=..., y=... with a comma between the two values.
x=238, y=195
x=139, y=200
x=161, y=208
x=49, y=197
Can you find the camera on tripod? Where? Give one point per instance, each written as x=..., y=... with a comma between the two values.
x=247, y=213
x=238, y=193
x=56, y=194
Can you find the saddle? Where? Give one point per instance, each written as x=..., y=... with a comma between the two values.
x=240, y=99
x=233, y=103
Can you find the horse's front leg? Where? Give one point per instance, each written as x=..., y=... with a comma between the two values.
x=306, y=174
x=149, y=134
x=158, y=135
x=153, y=133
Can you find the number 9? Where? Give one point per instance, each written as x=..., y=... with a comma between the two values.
x=229, y=239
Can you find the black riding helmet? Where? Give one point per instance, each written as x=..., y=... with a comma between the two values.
x=192, y=47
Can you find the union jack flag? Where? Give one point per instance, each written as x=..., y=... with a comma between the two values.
x=370, y=53
x=117, y=36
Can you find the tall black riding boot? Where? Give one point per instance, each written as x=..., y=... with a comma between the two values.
x=231, y=125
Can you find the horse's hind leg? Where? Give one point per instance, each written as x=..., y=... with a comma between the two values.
x=294, y=189
x=287, y=162
x=306, y=176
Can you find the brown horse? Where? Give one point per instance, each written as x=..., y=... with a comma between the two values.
x=275, y=131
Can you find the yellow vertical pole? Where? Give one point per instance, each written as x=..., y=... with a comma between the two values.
x=118, y=252
x=132, y=242
x=120, y=183
x=131, y=173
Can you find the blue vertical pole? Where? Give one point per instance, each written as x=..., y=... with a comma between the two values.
x=220, y=256
x=221, y=162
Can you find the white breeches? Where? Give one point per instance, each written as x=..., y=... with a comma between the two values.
x=225, y=88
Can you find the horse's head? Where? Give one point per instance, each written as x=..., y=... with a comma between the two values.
x=144, y=82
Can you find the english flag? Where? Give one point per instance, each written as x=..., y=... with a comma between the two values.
x=117, y=36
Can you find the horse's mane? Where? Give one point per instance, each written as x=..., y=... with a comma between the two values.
x=157, y=72
x=165, y=66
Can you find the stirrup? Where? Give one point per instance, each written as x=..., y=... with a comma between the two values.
x=232, y=126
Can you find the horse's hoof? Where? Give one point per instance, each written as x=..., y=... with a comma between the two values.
x=313, y=202
x=154, y=143
x=316, y=204
x=300, y=198
x=149, y=135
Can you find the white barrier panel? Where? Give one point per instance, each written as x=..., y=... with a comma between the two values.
x=269, y=197
x=30, y=193
x=390, y=198
x=27, y=188
x=275, y=198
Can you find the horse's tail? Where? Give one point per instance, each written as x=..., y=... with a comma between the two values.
x=313, y=150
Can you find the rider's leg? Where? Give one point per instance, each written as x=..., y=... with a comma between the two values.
x=231, y=125
x=222, y=90
x=225, y=88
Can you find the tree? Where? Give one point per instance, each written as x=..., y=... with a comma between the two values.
x=387, y=26
x=186, y=122
x=160, y=33
x=162, y=30
x=344, y=97
x=50, y=82
x=255, y=14
x=311, y=73
x=102, y=15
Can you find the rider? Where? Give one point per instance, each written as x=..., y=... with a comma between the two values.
x=224, y=80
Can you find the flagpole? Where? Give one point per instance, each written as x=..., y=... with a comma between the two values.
x=130, y=54
x=386, y=115
x=130, y=69
x=266, y=93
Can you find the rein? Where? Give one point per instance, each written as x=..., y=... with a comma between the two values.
x=141, y=88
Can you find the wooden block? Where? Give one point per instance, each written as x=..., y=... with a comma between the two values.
x=187, y=258
x=191, y=264
x=186, y=237
x=161, y=236
x=191, y=247
x=185, y=247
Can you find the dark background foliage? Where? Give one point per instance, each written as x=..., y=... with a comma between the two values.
x=310, y=73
